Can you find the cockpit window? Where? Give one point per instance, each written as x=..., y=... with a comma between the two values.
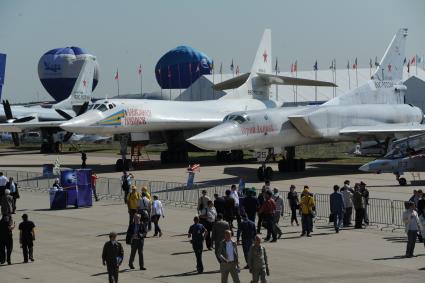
x=237, y=118
x=102, y=108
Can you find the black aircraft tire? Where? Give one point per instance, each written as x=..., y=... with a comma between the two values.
x=260, y=173
x=402, y=181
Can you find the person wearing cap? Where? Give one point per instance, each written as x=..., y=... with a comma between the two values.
x=307, y=206
x=146, y=191
x=112, y=257
x=136, y=234
x=294, y=203
x=365, y=193
x=279, y=211
x=133, y=202
x=337, y=208
x=250, y=204
x=197, y=233
x=7, y=203
x=27, y=237
x=412, y=226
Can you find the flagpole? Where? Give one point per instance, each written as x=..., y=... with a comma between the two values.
x=296, y=76
x=348, y=72
x=180, y=85
x=416, y=63
x=169, y=80
x=357, y=79
x=213, y=90
x=118, y=83
x=141, y=81
x=190, y=75
x=160, y=78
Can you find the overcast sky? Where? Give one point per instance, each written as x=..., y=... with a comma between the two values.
x=125, y=33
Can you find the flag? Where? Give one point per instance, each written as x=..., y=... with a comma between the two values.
x=315, y=67
x=117, y=76
x=194, y=167
x=295, y=65
x=404, y=61
x=292, y=68
x=231, y=66
x=332, y=66
x=276, y=67
x=221, y=68
x=376, y=62
x=237, y=70
x=413, y=61
x=408, y=66
x=355, y=64
x=169, y=73
x=198, y=69
x=139, y=70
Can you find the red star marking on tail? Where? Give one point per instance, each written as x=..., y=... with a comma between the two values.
x=265, y=56
x=389, y=68
x=84, y=83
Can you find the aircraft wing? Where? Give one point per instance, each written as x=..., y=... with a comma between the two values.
x=232, y=83
x=19, y=127
x=284, y=80
x=383, y=129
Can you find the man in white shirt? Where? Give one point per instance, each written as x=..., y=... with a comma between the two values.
x=228, y=255
x=234, y=194
x=3, y=182
x=411, y=220
x=156, y=212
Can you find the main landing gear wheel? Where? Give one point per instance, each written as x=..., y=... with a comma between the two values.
x=232, y=156
x=291, y=165
x=402, y=181
x=174, y=157
x=265, y=173
x=123, y=166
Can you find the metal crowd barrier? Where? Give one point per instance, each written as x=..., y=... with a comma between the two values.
x=384, y=212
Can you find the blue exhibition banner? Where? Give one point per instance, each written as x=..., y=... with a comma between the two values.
x=68, y=179
x=190, y=179
x=84, y=187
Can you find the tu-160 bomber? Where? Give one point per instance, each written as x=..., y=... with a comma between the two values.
x=375, y=110
x=171, y=122
x=20, y=118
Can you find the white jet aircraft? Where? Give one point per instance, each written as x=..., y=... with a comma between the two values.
x=375, y=110
x=21, y=118
x=172, y=122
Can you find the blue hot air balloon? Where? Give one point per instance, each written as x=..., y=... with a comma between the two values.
x=58, y=69
x=181, y=66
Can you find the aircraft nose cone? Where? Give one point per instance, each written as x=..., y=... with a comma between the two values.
x=221, y=137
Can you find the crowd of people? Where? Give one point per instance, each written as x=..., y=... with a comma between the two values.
x=9, y=193
x=414, y=221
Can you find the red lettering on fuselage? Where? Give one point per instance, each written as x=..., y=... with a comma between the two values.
x=136, y=116
x=257, y=129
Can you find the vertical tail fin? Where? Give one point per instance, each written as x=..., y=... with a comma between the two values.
x=263, y=58
x=391, y=66
x=82, y=90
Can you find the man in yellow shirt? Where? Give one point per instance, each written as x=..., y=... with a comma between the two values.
x=307, y=208
x=133, y=202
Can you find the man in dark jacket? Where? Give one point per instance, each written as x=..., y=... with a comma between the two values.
x=27, y=237
x=218, y=230
x=219, y=204
x=136, y=234
x=229, y=208
x=112, y=257
x=250, y=204
x=337, y=208
x=248, y=232
x=6, y=239
x=358, y=203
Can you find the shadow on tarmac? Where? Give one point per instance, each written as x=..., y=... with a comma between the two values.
x=189, y=273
